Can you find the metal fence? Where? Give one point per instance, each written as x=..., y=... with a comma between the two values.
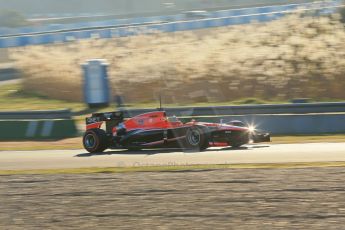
x=135, y=26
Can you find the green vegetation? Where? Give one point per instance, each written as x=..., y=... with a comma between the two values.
x=13, y=97
x=308, y=138
x=174, y=168
x=65, y=144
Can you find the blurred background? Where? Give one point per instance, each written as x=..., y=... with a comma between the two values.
x=129, y=53
x=276, y=65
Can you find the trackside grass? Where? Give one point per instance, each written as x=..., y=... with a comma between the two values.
x=174, y=168
x=15, y=97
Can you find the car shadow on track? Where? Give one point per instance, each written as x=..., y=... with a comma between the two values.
x=129, y=152
x=149, y=152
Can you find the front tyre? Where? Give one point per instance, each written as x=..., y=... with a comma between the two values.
x=196, y=139
x=239, y=141
x=95, y=140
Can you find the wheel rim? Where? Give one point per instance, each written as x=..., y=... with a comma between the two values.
x=90, y=141
x=194, y=137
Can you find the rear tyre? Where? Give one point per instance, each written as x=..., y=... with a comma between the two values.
x=196, y=139
x=95, y=140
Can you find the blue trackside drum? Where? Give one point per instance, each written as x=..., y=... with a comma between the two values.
x=96, y=83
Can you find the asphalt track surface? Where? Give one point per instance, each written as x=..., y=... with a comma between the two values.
x=262, y=153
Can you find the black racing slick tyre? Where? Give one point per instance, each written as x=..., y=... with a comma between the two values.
x=240, y=142
x=237, y=145
x=95, y=140
x=196, y=139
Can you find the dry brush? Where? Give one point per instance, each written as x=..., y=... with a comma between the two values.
x=283, y=59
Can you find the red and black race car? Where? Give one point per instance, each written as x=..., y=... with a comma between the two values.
x=156, y=129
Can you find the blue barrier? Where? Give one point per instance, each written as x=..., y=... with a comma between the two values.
x=220, y=18
x=165, y=18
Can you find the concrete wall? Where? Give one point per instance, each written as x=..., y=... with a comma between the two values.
x=32, y=125
x=298, y=108
x=308, y=118
x=288, y=124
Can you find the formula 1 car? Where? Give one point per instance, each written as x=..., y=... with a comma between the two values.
x=155, y=129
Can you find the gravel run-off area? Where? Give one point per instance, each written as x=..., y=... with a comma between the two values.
x=309, y=198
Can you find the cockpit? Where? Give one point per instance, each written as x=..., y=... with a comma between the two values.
x=173, y=119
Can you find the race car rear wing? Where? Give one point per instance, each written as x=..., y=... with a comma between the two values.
x=111, y=119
